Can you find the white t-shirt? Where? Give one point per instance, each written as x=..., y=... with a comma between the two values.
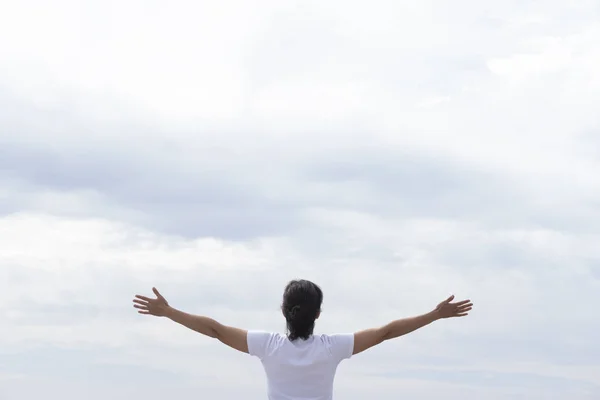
x=302, y=369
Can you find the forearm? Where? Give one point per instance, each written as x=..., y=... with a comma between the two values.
x=204, y=325
x=406, y=325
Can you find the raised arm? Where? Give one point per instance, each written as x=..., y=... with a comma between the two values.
x=233, y=337
x=368, y=338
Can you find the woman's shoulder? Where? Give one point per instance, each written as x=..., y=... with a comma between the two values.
x=340, y=345
x=331, y=337
x=263, y=343
x=266, y=335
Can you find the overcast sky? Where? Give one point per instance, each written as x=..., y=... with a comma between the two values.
x=393, y=152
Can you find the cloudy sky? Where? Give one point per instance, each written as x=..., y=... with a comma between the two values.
x=394, y=153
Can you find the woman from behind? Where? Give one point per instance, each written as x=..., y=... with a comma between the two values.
x=300, y=364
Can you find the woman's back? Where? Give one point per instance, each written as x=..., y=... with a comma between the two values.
x=300, y=369
x=300, y=365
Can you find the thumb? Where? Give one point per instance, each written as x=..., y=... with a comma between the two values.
x=157, y=293
x=449, y=299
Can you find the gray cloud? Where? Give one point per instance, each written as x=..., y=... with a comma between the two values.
x=191, y=197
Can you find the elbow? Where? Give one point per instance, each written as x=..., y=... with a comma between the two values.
x=215, y=330
x=210, y=329
x=212, y=334
x=384, y=334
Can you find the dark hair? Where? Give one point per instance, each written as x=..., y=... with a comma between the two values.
x=302, y=301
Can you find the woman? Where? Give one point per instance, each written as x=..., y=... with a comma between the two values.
x=299, y=365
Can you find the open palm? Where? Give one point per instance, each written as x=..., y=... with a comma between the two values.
x=447, y=309
x=148, y=306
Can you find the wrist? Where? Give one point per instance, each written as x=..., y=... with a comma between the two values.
x=169, y=311
x=434, y=315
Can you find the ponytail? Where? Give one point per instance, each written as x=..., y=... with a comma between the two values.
x=302, y=301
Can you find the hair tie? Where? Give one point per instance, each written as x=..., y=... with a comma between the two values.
x=294, y=310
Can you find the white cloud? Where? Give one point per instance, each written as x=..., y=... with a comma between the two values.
x=393, y=153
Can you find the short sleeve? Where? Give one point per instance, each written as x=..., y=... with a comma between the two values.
x=261, y=343
x=340, y=345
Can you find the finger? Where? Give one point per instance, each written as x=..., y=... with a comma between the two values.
x=460, y=303
x=140, y=307
x=143, y=297
x=462, y=314
x=157, y=293
x=469, y=305
x=449, y=299
x=141, y=302
x=465, y=309
x=144, y=312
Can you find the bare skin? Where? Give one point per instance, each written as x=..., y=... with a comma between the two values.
x=159, y=307
x=368, y=338
x=236, y=338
